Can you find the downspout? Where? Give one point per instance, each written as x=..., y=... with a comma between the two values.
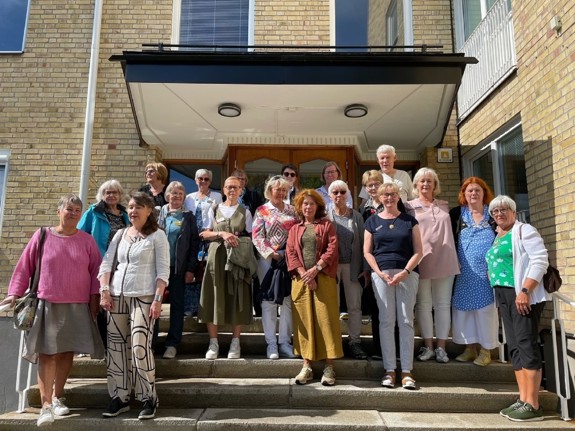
x=459, y=147
x=90, y=102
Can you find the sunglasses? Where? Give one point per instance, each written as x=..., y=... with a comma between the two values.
x=290, y=174
x=205, y=180
x=150, y=171
x=339, y=192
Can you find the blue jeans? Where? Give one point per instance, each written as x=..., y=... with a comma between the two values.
x=177, y=289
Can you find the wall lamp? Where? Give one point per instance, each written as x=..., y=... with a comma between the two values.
x=355, y=110
x=229, y=110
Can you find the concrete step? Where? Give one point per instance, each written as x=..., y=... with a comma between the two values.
x=282, y=420
x=283, y=393
x=184, y=366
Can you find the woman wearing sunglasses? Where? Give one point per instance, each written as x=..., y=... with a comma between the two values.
x=289, y=172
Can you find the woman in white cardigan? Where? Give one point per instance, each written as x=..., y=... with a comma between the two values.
x=516, y=263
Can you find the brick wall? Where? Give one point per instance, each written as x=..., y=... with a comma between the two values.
x=293, y=22
x=43, y=102
x=542, y=93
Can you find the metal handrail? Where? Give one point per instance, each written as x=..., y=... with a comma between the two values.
x=564, y=398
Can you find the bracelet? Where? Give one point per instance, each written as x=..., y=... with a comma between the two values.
x=158, y=298
x=105, y=288
x=407, y=270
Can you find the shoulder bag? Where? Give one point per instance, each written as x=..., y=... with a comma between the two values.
x=25, y=309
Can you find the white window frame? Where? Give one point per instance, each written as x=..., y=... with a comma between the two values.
x=24, y=34
x=391, y=24
x=490, y=145
x=177, y=16
x=459, y=21
x=4, y=159
x=407, y=22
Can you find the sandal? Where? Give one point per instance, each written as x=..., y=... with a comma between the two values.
x=407, y=381
x=388, y=380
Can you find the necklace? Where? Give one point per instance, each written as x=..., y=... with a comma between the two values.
x=392, y=225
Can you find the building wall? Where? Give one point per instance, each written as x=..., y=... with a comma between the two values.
x=294, y=22
x=43, y=102
x=542, y=94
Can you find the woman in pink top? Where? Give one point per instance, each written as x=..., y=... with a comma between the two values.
x=437, y=268
x=68, y=293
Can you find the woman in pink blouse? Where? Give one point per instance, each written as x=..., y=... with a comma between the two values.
x=270, y=228
x=437, y=268
x=68, y=293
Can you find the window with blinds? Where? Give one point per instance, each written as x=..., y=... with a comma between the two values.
x=214, y=23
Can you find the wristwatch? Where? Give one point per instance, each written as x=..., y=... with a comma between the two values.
x=318, y=267
x=525, y=290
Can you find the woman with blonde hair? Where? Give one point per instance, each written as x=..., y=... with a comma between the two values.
x=156, y=178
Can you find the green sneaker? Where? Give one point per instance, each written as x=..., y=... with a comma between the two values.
x=526, y=413
x=505, y=412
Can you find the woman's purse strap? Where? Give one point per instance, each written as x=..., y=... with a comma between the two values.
x=36, y=277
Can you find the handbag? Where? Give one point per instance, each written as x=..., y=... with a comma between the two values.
x=25, y=309
x=551, y=279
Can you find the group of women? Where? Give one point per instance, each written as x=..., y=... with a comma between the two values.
x=446, y=269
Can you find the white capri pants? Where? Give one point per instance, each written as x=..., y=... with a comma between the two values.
x=434, y=294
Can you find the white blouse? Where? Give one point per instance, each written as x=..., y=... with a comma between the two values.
x=140, y=264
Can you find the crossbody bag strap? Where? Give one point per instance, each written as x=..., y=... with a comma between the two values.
x=36, y=278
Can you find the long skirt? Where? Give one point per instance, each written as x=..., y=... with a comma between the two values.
x=317, y=332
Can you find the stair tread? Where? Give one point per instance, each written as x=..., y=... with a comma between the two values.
x=286, y=419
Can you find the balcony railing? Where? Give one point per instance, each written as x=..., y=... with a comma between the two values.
x=492, y=43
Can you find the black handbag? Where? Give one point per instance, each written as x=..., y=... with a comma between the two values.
x=25, y=309
x=552, y=279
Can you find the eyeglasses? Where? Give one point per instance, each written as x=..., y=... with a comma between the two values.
x=290, y=174
x=150, y=171
x=231, y=187
x=372, y=186
x=389, y=195
x=204, y=180
x=339, y=192
x=499, y=211
x=112, y=192
x=334, y=172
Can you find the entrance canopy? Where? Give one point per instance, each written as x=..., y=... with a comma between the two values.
x=291, y=98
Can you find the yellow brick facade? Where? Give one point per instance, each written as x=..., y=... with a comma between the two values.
x=542, y=94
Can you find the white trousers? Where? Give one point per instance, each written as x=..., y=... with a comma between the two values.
x=476, y=326
x=396, y=302
x=353, y=291
x=434, y=294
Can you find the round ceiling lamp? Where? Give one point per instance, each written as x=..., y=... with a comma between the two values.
x=229, y=110
x=355, y=110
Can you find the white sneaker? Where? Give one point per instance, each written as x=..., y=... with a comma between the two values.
x=213, y=351
x=46, y=416
x=235, y=350
x=441, y=355
x=425, y=354
x=170, y=352
x=59, y=408
x=272, y=351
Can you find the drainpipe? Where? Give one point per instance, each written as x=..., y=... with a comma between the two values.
x=90, y=102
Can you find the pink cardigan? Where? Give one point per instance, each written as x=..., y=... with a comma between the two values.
x=69, y=268
x=326, y=247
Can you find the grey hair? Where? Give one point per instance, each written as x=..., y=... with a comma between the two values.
x=385, y=149
x=69, y=199
x=426, y=172
x=201, y=172
x=502, y=201
x=174, y=185
x=275, y=181
x=110, y=185
x=338, y=184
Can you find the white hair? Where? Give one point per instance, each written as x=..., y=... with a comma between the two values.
x=385, y=149
x=338, y=184
x=502, y=201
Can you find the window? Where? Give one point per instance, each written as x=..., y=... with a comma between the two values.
x=215, y=22
x=469, y=14
x=501, y=163
x=351, y=18
x=392, y=36
x=13, y=23
x=4, y=156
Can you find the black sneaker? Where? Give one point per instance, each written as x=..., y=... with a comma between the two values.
x=149, y=410
x=115, y=408
x=356, y=351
